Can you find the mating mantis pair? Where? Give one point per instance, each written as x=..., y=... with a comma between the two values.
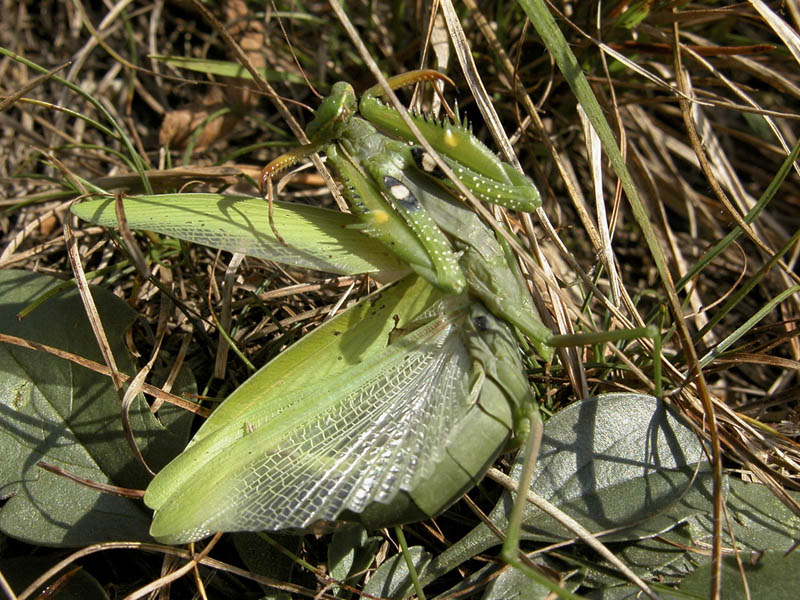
x=422, y=385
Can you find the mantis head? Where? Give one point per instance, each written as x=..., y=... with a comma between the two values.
x=334, y=112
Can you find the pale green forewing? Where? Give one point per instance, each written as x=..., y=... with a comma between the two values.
x=359, y=427
x=315, y=238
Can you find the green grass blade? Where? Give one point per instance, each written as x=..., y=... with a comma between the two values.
x=224, y=68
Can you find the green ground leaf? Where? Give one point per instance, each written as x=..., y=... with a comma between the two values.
x=350, y=553
x=773, y=576
x=760, y=521
x=265, y=559
x=663, y=556
x=69, y=417
x=391, y=580
x=513, y=583
x=619, y=461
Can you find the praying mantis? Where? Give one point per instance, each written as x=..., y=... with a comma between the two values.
x=456, y=369
x=421, y=386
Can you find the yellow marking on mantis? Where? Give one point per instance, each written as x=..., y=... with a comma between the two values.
x=379, y=217
x=450, y=138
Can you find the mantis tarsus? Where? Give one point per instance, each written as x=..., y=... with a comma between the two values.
x=340, y=450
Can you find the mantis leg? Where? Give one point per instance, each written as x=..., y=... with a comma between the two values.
x=477, y=166
x=284, y=161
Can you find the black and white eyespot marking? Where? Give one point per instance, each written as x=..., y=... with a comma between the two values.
x=425, y=162
x=401, y=193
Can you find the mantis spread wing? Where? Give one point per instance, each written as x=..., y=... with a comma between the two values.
x=359, y=438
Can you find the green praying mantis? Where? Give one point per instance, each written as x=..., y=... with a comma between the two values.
x=417, y=389
x=392, y=438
